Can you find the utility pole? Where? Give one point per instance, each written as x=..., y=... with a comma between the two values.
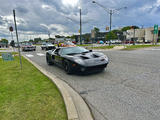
x=110, y=12
x=80, y=26
x=14, y=15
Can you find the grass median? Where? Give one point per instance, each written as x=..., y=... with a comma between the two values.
x=28, y=94
x=102, y=47
x=133, y=47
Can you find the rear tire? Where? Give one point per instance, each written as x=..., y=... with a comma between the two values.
x=67, y=68
x=48, y=61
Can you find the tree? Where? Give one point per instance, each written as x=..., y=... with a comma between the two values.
x=73, y=37
x=68, y=37
x=4, y=41
x=31, y=41
x=96, y=29
x=126, y=28
x=58, y=36
x=111, y=36
x=129, y=27
x=36, y=40
x=134, y=27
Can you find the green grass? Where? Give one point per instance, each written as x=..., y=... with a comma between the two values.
x=2, y=49
x=133, y=47
x=103, y=47
x=28, y=94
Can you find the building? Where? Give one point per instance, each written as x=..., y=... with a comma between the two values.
x=92, y=37
x=142, y=35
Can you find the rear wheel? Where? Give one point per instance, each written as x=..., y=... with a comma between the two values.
x=67, y=68
x=48, y=61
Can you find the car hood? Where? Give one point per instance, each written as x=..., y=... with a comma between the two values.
x=89, y=59
x=89, y=55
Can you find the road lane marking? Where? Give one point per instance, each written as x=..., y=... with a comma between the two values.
x=29, y=55
x=40, y=54
x=152, y=49
x=155, y=49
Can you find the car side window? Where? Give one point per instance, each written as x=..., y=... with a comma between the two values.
x=56, y=51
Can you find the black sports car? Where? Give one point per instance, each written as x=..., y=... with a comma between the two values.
x=77, y=59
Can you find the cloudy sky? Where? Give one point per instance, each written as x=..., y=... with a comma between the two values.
x=36, y=17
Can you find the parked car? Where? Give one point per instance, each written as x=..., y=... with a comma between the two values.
x=77, y=59
x=47, y=46
x=74, y=42
x=129, y=42
x=28, y=47
x=100, y=42
x=114, y=42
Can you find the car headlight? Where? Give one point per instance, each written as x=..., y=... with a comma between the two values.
x=105, y=57
x=79, y=61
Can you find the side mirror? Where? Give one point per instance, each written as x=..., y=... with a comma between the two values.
x=90, y=50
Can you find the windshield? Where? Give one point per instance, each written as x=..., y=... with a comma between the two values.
x=73, y=50
x=29, y=44
x=49, y=44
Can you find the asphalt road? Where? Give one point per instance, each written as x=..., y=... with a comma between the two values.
x=128, y=90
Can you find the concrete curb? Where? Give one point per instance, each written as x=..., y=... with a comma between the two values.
x=76, y=108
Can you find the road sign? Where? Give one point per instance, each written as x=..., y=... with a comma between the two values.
x=7, y=57
x=155, y=29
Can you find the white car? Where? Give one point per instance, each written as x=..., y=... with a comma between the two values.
x=47, y=46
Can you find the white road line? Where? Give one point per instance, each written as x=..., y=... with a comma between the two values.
x=152, y=49
x=155, y=49
x=29, y=55
x=40, y=54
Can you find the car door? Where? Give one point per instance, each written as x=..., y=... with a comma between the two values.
x=57, y=57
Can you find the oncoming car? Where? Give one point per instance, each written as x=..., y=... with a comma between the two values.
x=47, y=46
x=28, y=47
x=77, y=59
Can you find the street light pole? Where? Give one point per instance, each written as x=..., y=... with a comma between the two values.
x=110, y=12
x=80, y=26
x=110, y=20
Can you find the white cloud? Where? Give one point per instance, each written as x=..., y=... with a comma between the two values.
x=62, y=16
x=58, y=27
x=46, y=7
x=70, y=3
